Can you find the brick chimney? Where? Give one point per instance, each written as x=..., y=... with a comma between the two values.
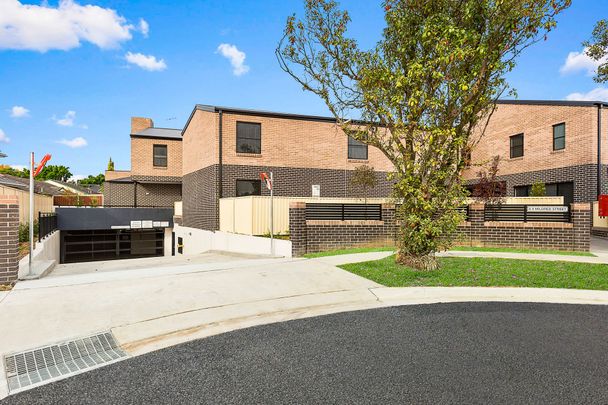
x=140, y=123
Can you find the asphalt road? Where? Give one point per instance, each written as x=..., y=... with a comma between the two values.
x=443, y=353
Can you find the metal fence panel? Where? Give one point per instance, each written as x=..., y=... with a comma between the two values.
x=527, y=213
x=344, y=212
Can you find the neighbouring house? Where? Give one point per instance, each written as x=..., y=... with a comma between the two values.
x=75, y=188
x=155, y=178
x=18, y=186
x=560, y=143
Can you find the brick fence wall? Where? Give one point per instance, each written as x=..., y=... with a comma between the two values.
x=9, y=239
x=309, y=236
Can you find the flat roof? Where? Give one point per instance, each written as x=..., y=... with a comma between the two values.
x=305, y=117
x=162, y=133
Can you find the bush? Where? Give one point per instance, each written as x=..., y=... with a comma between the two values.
x=24, y=231
x=538, y=189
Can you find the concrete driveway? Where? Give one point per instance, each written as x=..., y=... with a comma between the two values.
x=150, y=304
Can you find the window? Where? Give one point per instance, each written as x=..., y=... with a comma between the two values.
x=356, y=149
x=517, y=145
x=565, y=189
x=248, y=137
x=248, y=187
x=559, y=136
x=522, y=191
x=159, y=155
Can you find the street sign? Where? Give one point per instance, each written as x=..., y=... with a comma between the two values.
x=547, y=208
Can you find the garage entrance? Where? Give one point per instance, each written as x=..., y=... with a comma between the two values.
x=110, y=244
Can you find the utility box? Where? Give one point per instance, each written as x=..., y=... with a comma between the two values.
x=603, y=205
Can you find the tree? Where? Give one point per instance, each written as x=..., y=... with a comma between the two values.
x=422, y=95
x=364, y=177
x=489, y=189
x=55, y=172
x=5, y=169
x=538, y=189
x=597, y=49
x=90, y=179
x=110, y=165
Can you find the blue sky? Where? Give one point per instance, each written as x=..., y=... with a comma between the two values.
x=83, y=72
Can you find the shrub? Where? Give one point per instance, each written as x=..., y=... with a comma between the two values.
x=538, y=189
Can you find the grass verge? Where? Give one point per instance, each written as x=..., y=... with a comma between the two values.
x=349, y=251
x=513, y=250
x=486, y=272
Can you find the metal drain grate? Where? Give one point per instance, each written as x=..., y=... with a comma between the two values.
x=53, y=362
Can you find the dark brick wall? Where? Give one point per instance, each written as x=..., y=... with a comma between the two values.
x=9, y=239
x=200, y=199
x=116, y=194
x=297, y=182
x=157, y=179
x=316, y=236
x=584, y=178
x=148, y=194
x=158, y=195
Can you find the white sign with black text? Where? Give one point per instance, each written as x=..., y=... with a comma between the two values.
x=547, y=208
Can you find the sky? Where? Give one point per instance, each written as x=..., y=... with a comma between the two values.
x=72, y=73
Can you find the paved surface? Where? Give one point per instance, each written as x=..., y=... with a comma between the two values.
x=442, y=353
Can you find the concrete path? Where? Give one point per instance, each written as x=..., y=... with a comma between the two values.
x=152, y=308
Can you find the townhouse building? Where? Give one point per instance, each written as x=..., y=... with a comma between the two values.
x=226, y=149
x=221, y=151
x=155, y=177
x=563, y=144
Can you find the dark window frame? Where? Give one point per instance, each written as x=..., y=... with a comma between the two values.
x=155, y=162
x=357, y=145
x=257, y=181
x=559, y=137
x=514, y=149
x=258, y=139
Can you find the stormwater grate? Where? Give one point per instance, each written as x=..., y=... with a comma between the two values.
x=52, y=362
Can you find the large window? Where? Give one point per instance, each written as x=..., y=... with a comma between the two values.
x=522, y=191
x=565, y=189
x=516, y=145
x=248, y=187
x=248, y=137
x=356, y=149
x=159, y=155
x=559, y=136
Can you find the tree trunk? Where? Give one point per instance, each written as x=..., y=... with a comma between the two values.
x=423, y=263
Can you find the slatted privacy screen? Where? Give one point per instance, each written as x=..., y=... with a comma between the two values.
x=344, y=212
x=527, y=213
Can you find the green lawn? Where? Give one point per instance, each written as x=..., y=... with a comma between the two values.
x=349, y=251
x=486, y=272
x=513, y=250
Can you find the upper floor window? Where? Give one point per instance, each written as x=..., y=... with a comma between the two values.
x=159, y=155
x=248, y=137
x=559, y=136
x=356, y=149
x=516, y=145
x=248, y=187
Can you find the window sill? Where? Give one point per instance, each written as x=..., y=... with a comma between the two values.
x=160, y=167
x=516, y=158
x=253, y=155
x=358, y=160
x=558, y=151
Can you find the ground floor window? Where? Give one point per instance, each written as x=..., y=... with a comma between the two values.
x=248, y=187
x=564, y=189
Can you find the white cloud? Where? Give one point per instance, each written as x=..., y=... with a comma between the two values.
x=77, y=142
x=236, y=58
x=77, y=177
x=3, y=137
x=597, y=94
x=146, y=62
x=67, y=120
x=43, y=27
x=144, y=27
x=19, y=111
x=577, y=61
